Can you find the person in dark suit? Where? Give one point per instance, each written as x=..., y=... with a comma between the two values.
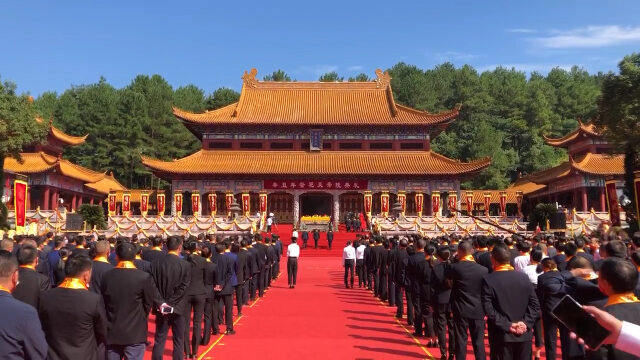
x=156, y=250
x=466, y=303
x=225, y=283
x=139, y=262
x=32, y=284
x=171, y=276
x=277, y=244
x=402, y=281
x=271, y=260
x=383, y=270
x=210, y=308
x=80, y=246
x=305, y=238
x=261, y=250
x=316, y=238
x=419, y=271
x=244, y=248
x=330, y=236
x=128, y=295
x=242, y=274
x=482, y=255
x=100, y=265
x=194, y=299
x=443, y=320
x=21, y=335
x=511, y=305
x=550, y=290
x=255, y=270
x=374, y=264
x=366, y=261
x=581, y=250
x=73, y=318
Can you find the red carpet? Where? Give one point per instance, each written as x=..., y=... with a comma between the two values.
x=340, y=239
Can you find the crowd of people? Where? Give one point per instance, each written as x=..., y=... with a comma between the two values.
x=456, y=288
x=91, y=298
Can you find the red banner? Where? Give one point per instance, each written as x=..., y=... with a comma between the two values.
x=126, y=203
x=195, y=203
x=402, y=199
x=419, y=203
x=229, y=200
x=487, y=203
x=503, y=203
x=316, y=184
x=213, y=203
x=612, y=201
x=177, y=199
x=435, y=203
x=469, y=197
x=519, y=196
x=246, y=204
x=112, y=204
x=453, y=202
x=263, y=203
x=384, y=204
x=368, y=198
x=144, y=203
x=20, y=204
x=636, y=186
x=161, y=204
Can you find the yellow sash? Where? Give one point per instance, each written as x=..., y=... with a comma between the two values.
x=73, y=283
x=28, y=266
x=2, y=288
x=101, y=259
x=503, y=267
x=125, y=265
x=468, y=258
x=624, y=298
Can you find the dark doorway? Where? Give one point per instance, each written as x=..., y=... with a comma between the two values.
x=315, y=204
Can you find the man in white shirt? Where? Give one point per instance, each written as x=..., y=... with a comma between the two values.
x=269, y=223
x=293, y=253
x=522, y=261
x=360, y=263
x=295, y=233
x=349, y=263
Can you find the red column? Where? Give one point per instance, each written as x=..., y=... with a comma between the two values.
x=45, y=203
x=73, y=202
x=79, y=200
x=574, y=199
x=603, y=201
x=54, y=200
x=585, y=206
x=91, y=201
x=100, y=203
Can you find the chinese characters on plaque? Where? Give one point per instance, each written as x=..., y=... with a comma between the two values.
x=356, y=185
x=315, y=139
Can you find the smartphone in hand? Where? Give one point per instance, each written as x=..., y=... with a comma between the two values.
x=570, y=313
x=166, y=310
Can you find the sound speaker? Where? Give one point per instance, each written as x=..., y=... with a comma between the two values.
x=558, y=220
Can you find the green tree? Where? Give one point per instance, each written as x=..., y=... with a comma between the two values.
x=331, y=77
x=362, y=77
x=221, y=97
x=278, y=75
x=93, y=215
x=189, y=98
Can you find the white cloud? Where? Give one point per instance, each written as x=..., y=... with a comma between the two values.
x=355, y=68
x=589, y=37
x=526, y=67
x=522, y=31
x=453, y=56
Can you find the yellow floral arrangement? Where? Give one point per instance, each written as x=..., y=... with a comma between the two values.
x=315, y=218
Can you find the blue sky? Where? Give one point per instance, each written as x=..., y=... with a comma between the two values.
x=50, y=45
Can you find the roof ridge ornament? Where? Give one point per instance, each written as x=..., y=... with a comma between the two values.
x=249, y=78
x=383, y=79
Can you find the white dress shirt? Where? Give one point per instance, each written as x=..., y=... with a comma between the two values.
x=294, y=234
x=293, y=250
x=521, y=262
x=530, y=270
x=629, y=339
x=360, y=252
x=349, y=253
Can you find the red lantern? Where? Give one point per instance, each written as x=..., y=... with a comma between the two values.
x=112, y=204
x=469, y=196
x=178, y=201
x=161, y=204
x=195, y=203
x=246, y=204
x=126, y=203
x=435, y=202
x=213, y=206
x=144, y=203
x=384, y=204
x=419, y=203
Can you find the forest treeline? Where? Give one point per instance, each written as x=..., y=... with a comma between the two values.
x=504, y=115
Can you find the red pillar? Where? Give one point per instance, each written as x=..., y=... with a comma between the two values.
x=73, y=202
x=91, y=201
x=54, y=200
x=45, y=203
x=100, y=203
x=79, y=200
x=603, y=201
x=574, y=199
x=585, y=206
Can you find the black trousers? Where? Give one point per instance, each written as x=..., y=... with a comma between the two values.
x=193, y=304
x=239, y=290
x=292, y=270
x=410, y=308
x=225, y=303
x=382, y=289
x=245, y=291
x=315, y=243
x=443, y=325
x=163, y=322
x=349, y=267
x=391, y=290
x=376, y=282
x=360, y=272
x=550, y=326
x=253, y=289
x=261, y=282
x=515, y=351
x=476, y=330
x=399, y=301
x=210, y=319
x=537, y=333
x=267, y=275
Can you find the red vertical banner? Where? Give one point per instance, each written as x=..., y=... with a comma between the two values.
x=384, y=204
x=636, y=187
x=229, y=200
x=368, y=199
x=519, y=196
x=503, y=203
x=469, y=197
x=402, y=199
x=453, y=202
x=263, y=203
x=195, y=203
x=435, y=203
x=160, y=200
x=246, y=204
x=126, y=203
x=177, y=200
x=213, y=203
x=612, y=201
x=487, y=203
x=112, y=204
x=144, y=203
x=419, y=203
x=20, y=204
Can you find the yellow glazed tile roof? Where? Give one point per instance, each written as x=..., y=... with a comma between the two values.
x=62, y=136
x=599, y=164
x=586, y=129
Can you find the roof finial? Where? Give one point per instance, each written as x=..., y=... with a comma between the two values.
x=250, y=77
x=580, y=121
x=51, y=120
x=30, y=99
x=383, y=80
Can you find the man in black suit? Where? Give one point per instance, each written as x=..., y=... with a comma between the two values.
x=441, y=303
x=156, y=250
x=80, y=246
x=21, y=335
x=128, y=295
x=581, y=251
x=242, y=273
x=305, y=238
x=244, y=248
x=139, y=262
x=511, y=305
x=466, y=303
x=32, y=284
x=271, y=254
x=255, y=270
x=419, y=272
x=482, y=254
x=366, y=260
x=391, y=288
x=171, y=276
x=224, y=287
x=383, y=270
x=194, y=298
x=210, y=308
x=261, y=250
x=73, y=318
x=401, y=281
x=330, y=236
x=316, y=238
x=100, y=265
x=277, y=244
